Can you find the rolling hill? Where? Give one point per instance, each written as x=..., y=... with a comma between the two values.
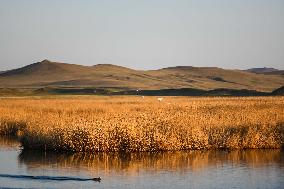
x=51, y=74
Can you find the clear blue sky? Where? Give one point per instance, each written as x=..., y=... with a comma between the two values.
x=143, y=34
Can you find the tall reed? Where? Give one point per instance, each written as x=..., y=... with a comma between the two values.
x=143, y=124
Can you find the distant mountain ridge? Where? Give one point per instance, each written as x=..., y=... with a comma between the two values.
x=266, y=71
x=49, y=73
x=262, y=70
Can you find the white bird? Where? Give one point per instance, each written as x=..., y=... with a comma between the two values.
x=160, y=99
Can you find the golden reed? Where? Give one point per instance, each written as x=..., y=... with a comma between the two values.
x=126, y=123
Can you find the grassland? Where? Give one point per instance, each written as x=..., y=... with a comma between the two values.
x=124, y=123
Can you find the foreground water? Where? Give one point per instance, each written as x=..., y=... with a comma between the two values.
x=193, y=169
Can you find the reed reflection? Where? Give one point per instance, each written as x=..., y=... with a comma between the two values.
x=134, y=163
x=7, y=143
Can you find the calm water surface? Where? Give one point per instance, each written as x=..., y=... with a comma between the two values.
x=193, y=169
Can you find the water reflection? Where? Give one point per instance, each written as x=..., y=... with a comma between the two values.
x=131, y=162
x=172, y=161
x=7, y=143
x=183, y=169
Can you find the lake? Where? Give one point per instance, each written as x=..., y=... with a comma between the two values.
x=187, y=169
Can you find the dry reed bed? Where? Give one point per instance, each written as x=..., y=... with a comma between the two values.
x=143, y=124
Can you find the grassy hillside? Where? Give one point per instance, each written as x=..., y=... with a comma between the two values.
x=47, y=73
x=279, y=72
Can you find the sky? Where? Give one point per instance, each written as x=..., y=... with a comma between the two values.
x=143, y=34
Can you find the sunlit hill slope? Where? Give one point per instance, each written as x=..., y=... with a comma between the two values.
x=48, y=73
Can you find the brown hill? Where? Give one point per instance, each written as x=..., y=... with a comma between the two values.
x=279, y=72
x=47, y=73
